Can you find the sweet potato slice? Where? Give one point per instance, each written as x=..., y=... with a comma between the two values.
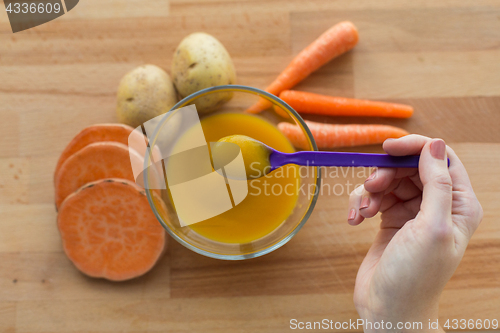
x=93, y=162
x=96, y=133
x=109, y=231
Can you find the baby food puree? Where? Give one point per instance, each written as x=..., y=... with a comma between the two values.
x=267, y=204
x=255, y=155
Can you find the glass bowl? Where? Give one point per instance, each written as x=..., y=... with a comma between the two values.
x=242, y=97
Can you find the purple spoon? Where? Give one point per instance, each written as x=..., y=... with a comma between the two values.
x=268, y=159
x=340, y=159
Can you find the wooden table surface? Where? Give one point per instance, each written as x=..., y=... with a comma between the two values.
x=442, y=57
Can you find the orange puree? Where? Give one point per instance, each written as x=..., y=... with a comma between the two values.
x=267, y=204
x=255, y=155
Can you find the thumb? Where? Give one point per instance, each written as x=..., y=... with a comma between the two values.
x=436, y=179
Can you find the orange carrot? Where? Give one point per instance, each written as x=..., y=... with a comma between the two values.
x=108, y=230
x=337, y=40
x=305, y=102
x=93, y=162
x=329, y=136
x=94, y=133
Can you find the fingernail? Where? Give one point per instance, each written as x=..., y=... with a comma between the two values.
x=365, y=203
x=372, y=176
x=352, y=214
x=438, y=149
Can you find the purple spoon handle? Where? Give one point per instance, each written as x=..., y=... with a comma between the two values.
x=340, y=159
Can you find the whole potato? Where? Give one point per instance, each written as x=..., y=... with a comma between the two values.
x=144, y=93
x=201, y=61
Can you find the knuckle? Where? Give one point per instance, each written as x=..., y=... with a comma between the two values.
x=418, y=136
x=474, y=217
x=442, y=181
x=368, y=212
x=358, y=190
x=479, y=212
x=475, y=212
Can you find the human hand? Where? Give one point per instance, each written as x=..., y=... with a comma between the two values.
x=428, y=216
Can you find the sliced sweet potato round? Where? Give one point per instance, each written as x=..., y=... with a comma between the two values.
x=95, y=161
x=109, y=231
x=97, y=133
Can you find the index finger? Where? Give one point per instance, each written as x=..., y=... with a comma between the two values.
x=412, y=145
x=459, y=176
x=407, y=145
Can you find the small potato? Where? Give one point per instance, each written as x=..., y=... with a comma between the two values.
x=144, y=93
x=201, y=61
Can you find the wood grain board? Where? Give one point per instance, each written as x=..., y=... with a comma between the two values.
x=442, y=57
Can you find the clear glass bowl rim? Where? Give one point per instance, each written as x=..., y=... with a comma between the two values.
x=266, y=95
